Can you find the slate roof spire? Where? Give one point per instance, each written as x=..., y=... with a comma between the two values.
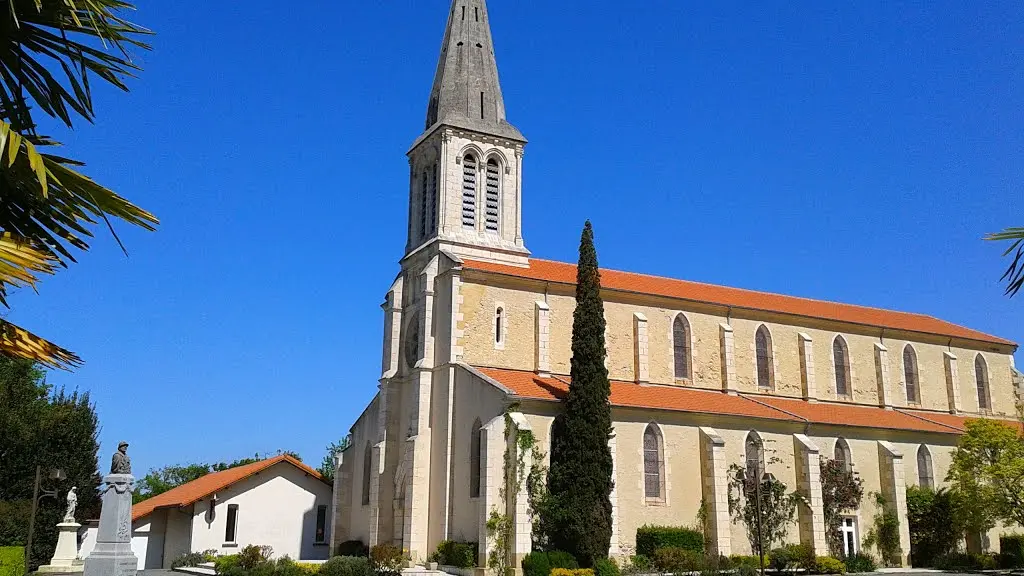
x=466, y=92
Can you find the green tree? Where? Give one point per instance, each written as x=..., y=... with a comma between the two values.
x=327, y=464
x=48, y=428
x=841, y=493
x=1014, y=275
x=934, y=528
x=52, y=50
x=580, y=477
x=778, y=507
x=987, y=475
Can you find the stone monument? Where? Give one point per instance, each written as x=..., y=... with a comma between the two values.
x=113, y=554
x=65, y=557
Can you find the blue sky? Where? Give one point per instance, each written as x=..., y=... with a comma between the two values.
x=853, y=152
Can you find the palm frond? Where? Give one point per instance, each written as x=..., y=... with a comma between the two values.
x=1014, y=275
x=20, y=264
x=20, y=343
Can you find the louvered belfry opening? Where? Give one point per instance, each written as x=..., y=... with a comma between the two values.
x=469, y=192
x=492, y=201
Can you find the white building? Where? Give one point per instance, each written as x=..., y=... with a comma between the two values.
x=279, y=502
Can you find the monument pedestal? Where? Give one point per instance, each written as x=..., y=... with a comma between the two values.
x=113, y=554
x=65, y=558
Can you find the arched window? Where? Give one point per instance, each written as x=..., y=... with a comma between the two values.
x=681, y=346
x=424, y=204
x=765, y=369
x=910, y=374
x=367, y=463
x=654, y=461
x=981, y=379
x=499, y=325
x=754, y=451
x=474, y=459
x=925, y=474
x=841, y=357
x=843, y=454
x=492, y=204
x=469, y=191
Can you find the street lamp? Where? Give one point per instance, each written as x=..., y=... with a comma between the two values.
x=54, y=474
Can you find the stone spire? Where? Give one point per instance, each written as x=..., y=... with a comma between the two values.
x=466, y=92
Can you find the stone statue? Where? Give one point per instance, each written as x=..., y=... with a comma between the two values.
x=69, y=515
x=121, y=463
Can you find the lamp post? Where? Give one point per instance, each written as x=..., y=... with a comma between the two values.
x=55, y=474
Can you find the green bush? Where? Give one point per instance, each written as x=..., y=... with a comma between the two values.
x=792, y=557
x=737, y=560
x=346, y=566
x=651, y=538
x=253, y=556
x=746, y=570
x=606, y=567
x=191, y=559
x=673, y=559
x=458, y=554
x=542, y=563
x=933, y=524
x=1011, y=547
x=559, y=559
x=222, y=564
x=966, y=562
x=829, y=565
x=639, y=563
x=12, y=560
x=353, y=548
x=387, y=560
x=860, y=562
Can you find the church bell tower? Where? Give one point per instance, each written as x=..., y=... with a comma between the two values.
x=465, y=170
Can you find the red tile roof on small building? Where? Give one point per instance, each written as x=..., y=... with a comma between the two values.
x=528, y=385
x=204, y=486
x=565, y=273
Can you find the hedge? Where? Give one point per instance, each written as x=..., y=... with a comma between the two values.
x=1011, y=550
x=651, y=538
x=12, y=560
x=346, y=566
x=353, y=548
x=829, y=565
x=542, y=563
x=458, y=554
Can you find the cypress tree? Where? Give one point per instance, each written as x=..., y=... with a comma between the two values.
x=580, y=477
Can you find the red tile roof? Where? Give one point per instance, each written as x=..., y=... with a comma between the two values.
x=525, y=384
x=212, y=483
x=563, y=273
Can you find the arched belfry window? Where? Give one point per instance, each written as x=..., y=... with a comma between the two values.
x=681, y=346
x=765, y=362
x=474, y=459
x=432, y=204
x=981, y=379
x=910, y=375
x=499, y=326
x=469, y=191
x=654, y=464
x=754, y=453
x=367, y=463
x=492, y=204
x=843, y=454
x=925, y=473
x=841, y=358
x=425, y=205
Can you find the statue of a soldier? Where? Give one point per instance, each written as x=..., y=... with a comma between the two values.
x=121, y=463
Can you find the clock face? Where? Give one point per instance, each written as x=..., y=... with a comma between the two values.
x=412, y=342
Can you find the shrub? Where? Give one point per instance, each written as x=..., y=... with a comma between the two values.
x=791, y=557
x=968, y=561
x=386, y=560
x=606, y=567
x=638, y=563
x=746, y=570
x=1011, y=547
x=536, y=564
x=651, y=538
x=829, y=565
x=12, y=560
x=346, y=566
x=458, y=554
x=224, y=563
x=252, y=556
x=572, y=572
x=288, y=567
x=674, y=559
x=754, y=562
x=353, y=548
x=559, y=559
x=860, y=562
x=191, y=559
x=933, y=524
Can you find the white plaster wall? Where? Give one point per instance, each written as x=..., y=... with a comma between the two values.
x=87, y=540
x=178, y=534
x=276, y=507
x=148, y=539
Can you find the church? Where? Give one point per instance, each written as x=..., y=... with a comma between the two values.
x=477, y=334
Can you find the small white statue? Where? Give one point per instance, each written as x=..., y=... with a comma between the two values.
x=69, y=516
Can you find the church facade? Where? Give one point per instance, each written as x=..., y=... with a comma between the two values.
x=702, y=376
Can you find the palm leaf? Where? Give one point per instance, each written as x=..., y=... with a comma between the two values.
x=18, y=342
x=1014, y=275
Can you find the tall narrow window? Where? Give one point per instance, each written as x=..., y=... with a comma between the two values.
x=492, y=204
x=910, y=375
x=765, y=369
x=424, y=205
x=754, y=453
x=469, y=192
x=653, y=463
x=925, y=474
x=433, y=200
x=321, y=524
x=499, y=325
x=232, y=524
x=981, y=379
x=367, y=462
x=841, y=357
x=681, y=346
x=843, y=455
x=474, y=459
